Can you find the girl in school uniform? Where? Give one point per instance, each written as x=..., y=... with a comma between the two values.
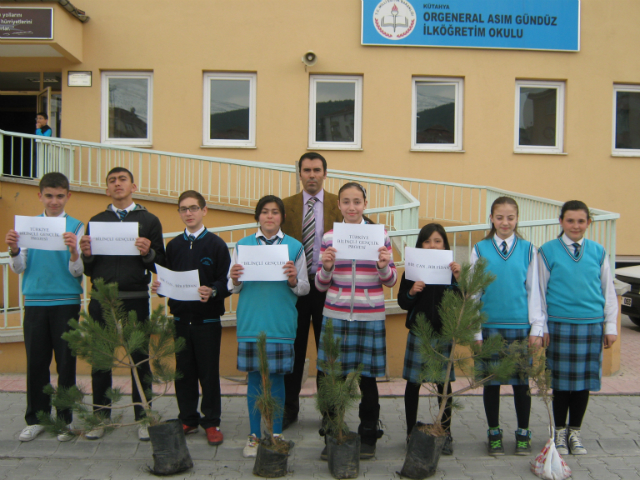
x=355, y=303
x=581, y=309
x=268, y=307
x=416, y=298
x=513, y=309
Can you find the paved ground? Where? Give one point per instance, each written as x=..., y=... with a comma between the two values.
x=611, y=433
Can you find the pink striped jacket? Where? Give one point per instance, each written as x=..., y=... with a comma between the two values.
x=354, y=287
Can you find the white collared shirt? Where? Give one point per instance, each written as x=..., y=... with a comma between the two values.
x=608, y=289
x=128, y=209
x=301, y=288
x=195, y=234
x=534, y=301
x=18, y=264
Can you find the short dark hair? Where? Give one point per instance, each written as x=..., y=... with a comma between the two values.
x=312, y=156
x=54, y=180
x=118, y=170
x=269, y=199
x=42, y=114
x=427, y=231
x=573, y=205
x=195, y=195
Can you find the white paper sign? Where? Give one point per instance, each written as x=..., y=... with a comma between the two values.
x=357, y=241
x=428, y=265
x=263, y=263
x=114, y=238
x=178, y=285
x=42, y=233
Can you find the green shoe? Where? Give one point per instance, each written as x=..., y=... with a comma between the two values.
x=495, y=443
x=523, y=443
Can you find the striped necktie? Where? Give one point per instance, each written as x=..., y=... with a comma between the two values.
x=268, y=242
x=122, y=214
x=576, y=249
x=504, y=248
x=192, y=238
x=309, y=232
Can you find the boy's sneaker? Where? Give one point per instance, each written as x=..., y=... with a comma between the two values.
x=95, y=434
x=495, y=442
x=187, y=429
x=67, y=435
x=575, y=444
x=30, y=432
x=214, y=436
x=560, y=438
x=251, y=447
x=523, y=442
x=447, y=448
x=143, y=433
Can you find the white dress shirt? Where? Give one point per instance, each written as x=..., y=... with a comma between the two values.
x=18, y=264
x=534, y=300
x=301, y=288
x=608, y=289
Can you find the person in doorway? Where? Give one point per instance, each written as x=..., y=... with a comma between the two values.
x=52, y=285
x=310, y=214
x=42, y=125
x=132, y=274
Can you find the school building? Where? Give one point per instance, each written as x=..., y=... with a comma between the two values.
x=438, y=106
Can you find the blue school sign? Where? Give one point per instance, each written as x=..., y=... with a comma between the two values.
x=514, y=24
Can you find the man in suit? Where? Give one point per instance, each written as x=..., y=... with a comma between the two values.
x=309, y=214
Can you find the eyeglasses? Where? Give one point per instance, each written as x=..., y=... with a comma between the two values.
x=192, y=209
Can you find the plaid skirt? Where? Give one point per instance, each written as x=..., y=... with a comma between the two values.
x=510, y=335
x=279, y=356
x=360, y=343
x=413, y=362
x=574, y=356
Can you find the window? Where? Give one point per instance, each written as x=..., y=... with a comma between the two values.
x=335, y=112
x=126, y=108
x=229, y=110
x=626, y=120
x=436, y=114
x=539, y=122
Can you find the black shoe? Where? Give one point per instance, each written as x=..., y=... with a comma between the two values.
x=367, y=452
x=495, y=444
x=324, y=455
x=447, y=448
x=287, y=421
x=369, y=435
x=523, y=444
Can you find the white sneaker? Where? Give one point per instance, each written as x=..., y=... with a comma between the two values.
x=561, y=441
x=67, y=435
x=95, y=434
x=251, y=448
x=30, y=432
x=143, y=433
x=575, y=444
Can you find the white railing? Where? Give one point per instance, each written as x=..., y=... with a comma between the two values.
x=401, y=204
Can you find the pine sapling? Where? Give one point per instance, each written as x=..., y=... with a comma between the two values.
x=265, y=402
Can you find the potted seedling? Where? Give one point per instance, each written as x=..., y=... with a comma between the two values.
x=273, y=451
x=461, y=318
x=337, y=394
x=112, y=345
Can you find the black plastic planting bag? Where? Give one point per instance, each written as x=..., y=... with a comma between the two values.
x=271, y=463
x=423, y=453
x=344, y=459
x=170, y=452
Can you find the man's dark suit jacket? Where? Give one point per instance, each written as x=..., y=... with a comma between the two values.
x=294, y=211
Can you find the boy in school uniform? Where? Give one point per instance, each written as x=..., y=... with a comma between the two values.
x=198, y=322
x=132, y=274
x=52, y=285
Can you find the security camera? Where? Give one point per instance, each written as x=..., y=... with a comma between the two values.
x=309, y=58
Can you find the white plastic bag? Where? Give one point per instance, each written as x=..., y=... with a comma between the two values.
x=549, y=464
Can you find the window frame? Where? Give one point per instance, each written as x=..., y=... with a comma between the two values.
x=621, y=152
x=206, y=112
x=357, y=112
x=558, y=148
x=456, y=146
x=133, y=142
